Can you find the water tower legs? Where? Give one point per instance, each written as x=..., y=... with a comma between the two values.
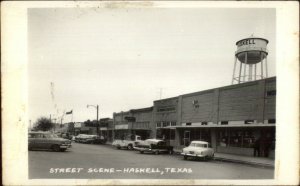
x=234, y=67
x=262, y=66
x=255, y=71
x=250, y=73
x=266, y=60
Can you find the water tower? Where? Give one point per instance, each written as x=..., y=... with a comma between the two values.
x=252, y=54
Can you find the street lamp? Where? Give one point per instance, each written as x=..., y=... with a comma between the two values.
x=97, y=108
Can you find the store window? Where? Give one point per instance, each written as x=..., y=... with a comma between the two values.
x=271, y=93
x=166, y=109
x=224, y=122
x=204, y=123
x=272, y=121
x=173, y=123
x=236, y=138
x=158, y=124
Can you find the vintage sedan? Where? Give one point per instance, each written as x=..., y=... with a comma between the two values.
x=198, y=149
x=94, y=139
x=47, y=140
x=154, y=146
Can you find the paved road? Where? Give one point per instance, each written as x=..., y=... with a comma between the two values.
x=104, y=162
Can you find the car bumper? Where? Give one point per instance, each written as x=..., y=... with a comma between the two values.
x=143, y=149
x=65, y=146
x=192, y=155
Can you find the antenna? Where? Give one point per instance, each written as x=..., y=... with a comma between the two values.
x=160, y=93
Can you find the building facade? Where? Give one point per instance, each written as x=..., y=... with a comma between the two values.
x=235, y=119
x=231, y=118
x=134, y=122
x=106, y=128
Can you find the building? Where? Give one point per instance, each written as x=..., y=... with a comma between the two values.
x=106, y=128
x=231, y=118
x=134, y=122
x=84, y=128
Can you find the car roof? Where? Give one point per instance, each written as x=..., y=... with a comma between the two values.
x=200, y=142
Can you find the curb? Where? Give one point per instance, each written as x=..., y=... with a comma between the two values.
x=244, y=162
x=239, y=161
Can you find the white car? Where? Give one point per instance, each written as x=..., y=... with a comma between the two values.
x=198, y=149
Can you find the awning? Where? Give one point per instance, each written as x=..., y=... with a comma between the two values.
x=221, y=126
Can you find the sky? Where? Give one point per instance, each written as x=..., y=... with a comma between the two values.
x=125, y=58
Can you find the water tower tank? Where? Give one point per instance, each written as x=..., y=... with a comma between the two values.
x=250, y=51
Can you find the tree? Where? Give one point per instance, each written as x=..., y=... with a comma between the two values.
x=44, y=124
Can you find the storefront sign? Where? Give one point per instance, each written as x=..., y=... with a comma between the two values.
x=125, y=126
x=77, y=125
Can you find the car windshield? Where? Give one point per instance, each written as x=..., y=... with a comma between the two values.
x=198, y=145
x=201, y=145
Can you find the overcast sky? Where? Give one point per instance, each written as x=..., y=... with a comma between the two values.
x=120, y=59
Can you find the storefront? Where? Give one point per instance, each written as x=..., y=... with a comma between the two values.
x=134, y=122
x=250, y=141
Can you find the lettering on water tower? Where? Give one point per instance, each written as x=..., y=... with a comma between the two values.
x=246, y=42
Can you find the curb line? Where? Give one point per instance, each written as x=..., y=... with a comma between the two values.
x=244, y=162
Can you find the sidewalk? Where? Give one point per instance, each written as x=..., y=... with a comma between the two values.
x=257, y=161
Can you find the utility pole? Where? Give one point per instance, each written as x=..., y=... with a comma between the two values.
x=97, y=108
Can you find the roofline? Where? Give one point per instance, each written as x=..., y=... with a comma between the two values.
x=176, y=97
x=141, y=109
x=228, y=86
x=135, y=110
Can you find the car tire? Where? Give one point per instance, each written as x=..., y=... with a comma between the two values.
x=55, y=148
x=130, y=147
x=142, y=152
x=185, y=157
x=63, y=150
x=118, y=147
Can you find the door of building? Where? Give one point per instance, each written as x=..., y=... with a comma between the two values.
x=186, y=137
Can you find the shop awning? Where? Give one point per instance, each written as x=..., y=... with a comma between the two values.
x=221, y=126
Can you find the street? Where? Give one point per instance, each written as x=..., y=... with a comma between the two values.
x=85, y=161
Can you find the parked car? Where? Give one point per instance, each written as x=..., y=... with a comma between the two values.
x=81, y=137
x=129, y=142
x=93, y=139
x=198, y=149
x=47, y=140
x=154, y=146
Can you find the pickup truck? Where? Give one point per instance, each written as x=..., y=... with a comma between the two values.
x=129, y=142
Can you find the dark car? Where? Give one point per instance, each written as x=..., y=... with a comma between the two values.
x=94, y=139
x=155, y=146
x=47, y=140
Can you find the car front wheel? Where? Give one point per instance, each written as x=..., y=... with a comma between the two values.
x=56, y=148
x=185, y=157
x=129, y=147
